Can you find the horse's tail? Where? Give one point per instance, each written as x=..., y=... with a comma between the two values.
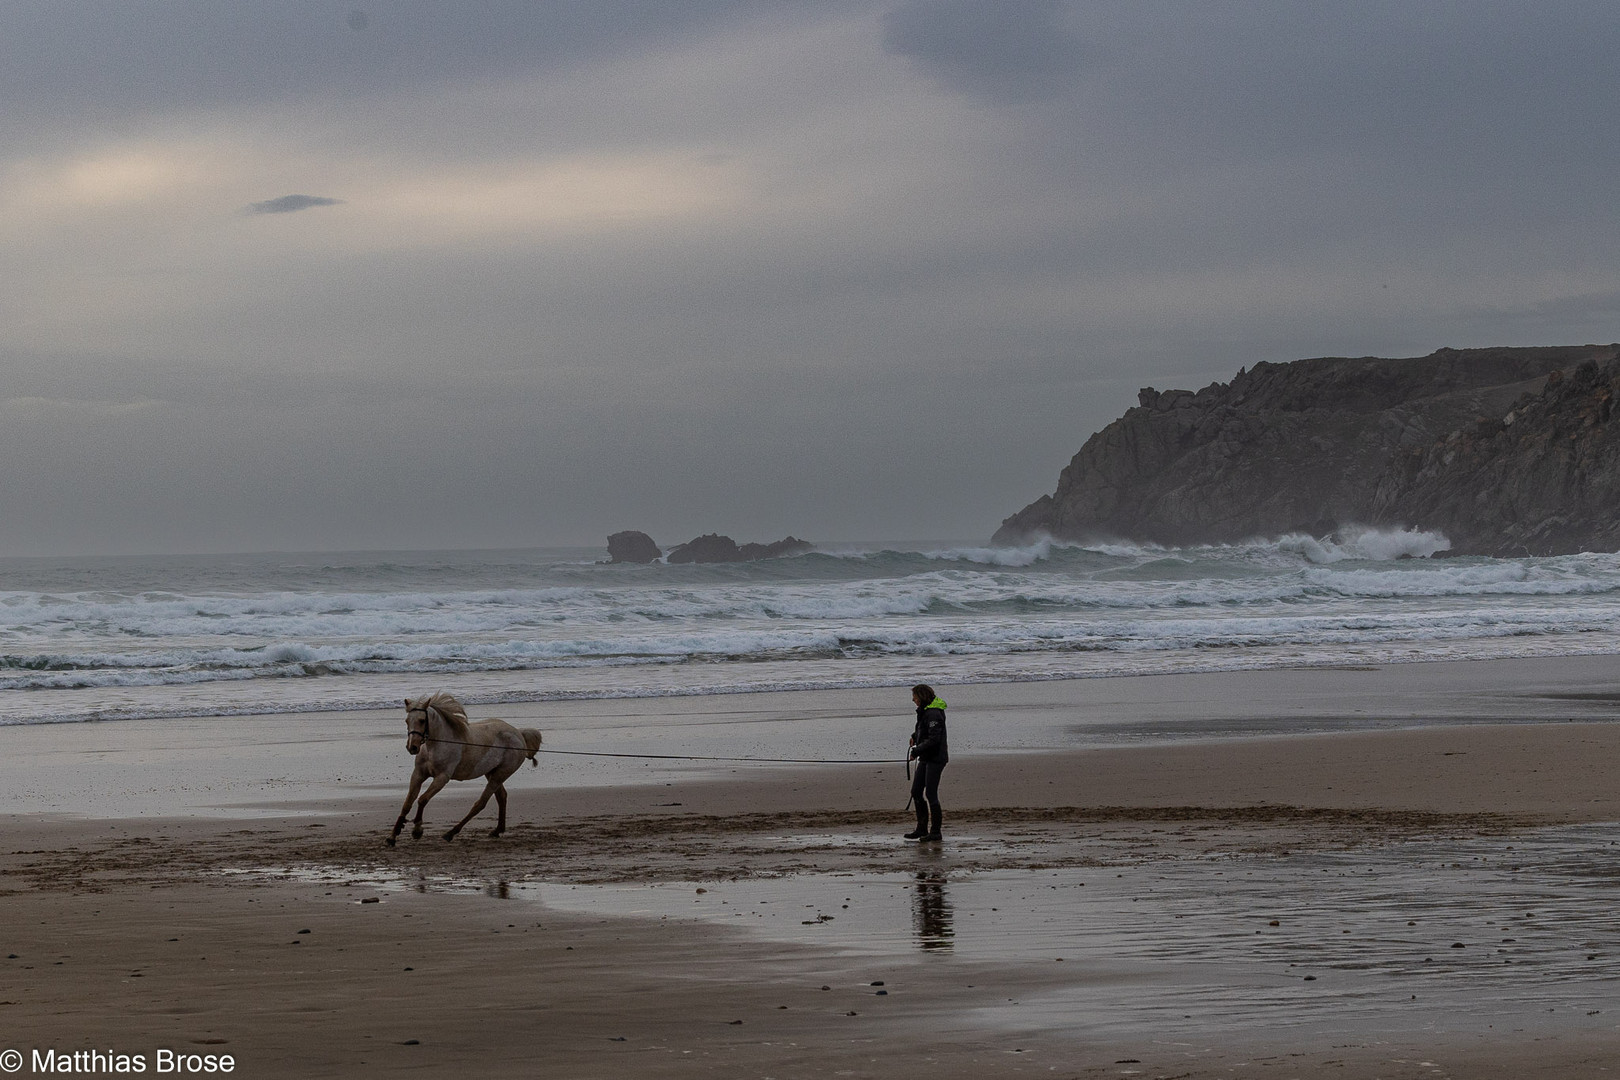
x=531, y=740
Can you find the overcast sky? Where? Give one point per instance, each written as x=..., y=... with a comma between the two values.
x=309, y=275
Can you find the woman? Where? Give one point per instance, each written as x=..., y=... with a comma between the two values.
x=929, y=751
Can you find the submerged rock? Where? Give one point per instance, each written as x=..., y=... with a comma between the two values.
x=776, y=549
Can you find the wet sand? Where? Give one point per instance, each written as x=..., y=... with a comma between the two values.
x=578, y=945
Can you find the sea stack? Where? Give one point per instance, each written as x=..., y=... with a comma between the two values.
x=632, y=547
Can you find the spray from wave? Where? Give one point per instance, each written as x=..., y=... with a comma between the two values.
x=1357, y=542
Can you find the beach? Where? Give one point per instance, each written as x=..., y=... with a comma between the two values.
x=1417, y=885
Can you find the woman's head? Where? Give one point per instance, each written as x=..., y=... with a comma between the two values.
x=922, y=694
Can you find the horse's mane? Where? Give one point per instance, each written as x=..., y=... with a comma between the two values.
x=448, y=707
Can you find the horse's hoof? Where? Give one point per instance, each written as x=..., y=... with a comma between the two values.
x=416, y=833
x=390, y=841
x=495, y=834
x=451, y=835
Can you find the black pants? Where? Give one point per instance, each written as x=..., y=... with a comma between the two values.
x=925, y=785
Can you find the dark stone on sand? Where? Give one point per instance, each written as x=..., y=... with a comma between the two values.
x=632, y=547
x=1506, y=451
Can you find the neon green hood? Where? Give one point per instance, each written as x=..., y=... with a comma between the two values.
x=937, y=703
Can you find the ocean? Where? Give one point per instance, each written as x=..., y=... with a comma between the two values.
x=217, y=635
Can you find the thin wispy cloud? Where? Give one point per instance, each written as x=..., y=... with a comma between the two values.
x=288, y=204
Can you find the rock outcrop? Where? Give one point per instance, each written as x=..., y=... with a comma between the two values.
x=714, y=548
x=776, y=549
x=637, y=547
x=1506, y=451
x=633, y=547
x=708, y=548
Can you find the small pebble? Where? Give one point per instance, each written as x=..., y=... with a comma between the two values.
x=878, y=983
x=304, y=931
x=882, y=993
x=411, y=1042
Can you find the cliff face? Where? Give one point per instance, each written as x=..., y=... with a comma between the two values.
x=1542, y=478
x=1315, y=444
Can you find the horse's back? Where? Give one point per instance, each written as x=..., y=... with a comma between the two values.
x=496, y=748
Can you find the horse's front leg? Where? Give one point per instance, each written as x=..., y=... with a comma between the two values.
x=500, y=801
x=483, y=800
x=417, y=776
x=421, y=804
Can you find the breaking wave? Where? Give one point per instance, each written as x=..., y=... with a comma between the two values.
x=115, y=637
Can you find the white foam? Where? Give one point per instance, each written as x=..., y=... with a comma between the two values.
x=1357, y=542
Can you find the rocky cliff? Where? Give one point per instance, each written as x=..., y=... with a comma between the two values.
x=1506, y=451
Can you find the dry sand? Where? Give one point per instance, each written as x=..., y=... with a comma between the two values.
x=137, y=933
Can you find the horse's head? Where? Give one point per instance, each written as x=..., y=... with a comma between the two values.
x=416, y=724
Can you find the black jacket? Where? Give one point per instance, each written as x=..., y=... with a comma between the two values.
x=928, y=738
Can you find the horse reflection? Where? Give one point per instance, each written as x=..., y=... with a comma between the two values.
x=932, y=919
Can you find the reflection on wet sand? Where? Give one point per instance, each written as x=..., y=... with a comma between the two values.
x=931, y=914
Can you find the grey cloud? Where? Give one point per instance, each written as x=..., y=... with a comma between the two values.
x=1179, y=189
x=287, y=204
x=89, y=61
x=1008, y=51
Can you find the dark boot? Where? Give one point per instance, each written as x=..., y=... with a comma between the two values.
x=938, y=816
x=921, y=831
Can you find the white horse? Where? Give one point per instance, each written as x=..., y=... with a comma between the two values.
x=449, y=747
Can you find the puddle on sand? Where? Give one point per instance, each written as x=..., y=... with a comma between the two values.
x=1514, y=933
x=1507, y=933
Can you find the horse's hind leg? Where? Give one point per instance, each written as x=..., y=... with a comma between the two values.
x=421, y=804
x=500, y=802
x=483, y=801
